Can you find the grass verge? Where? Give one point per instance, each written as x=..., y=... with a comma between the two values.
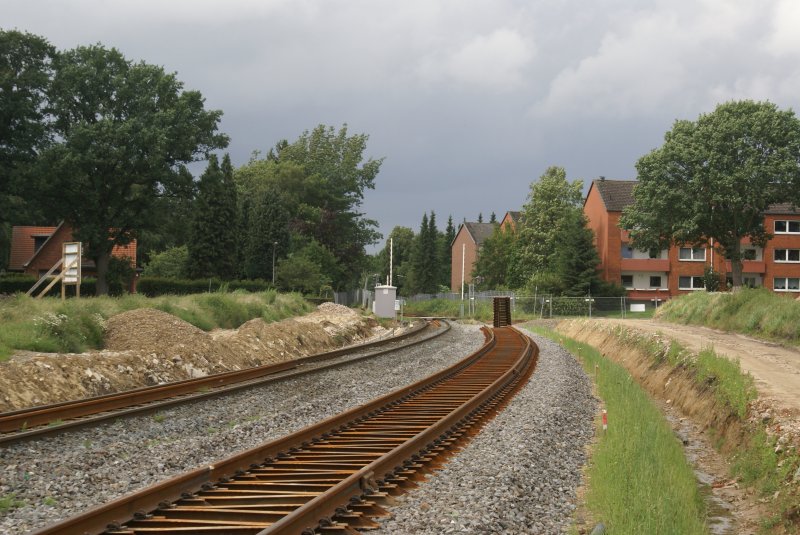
x=638, y=480
x=762, y=458
x=757, y=312
x=75, y=325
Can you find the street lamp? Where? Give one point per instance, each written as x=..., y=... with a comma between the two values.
x=274, y=248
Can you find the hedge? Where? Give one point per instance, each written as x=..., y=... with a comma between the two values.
x=10, y=284
x=155, y=286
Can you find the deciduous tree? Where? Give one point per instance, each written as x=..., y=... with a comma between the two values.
x=550, y=199
x=123, y=129
x=713, y=178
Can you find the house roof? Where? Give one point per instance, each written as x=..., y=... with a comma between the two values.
x=782, y=209
x=44, y=245
x=513, y=215
x=618, y=194
x=22, y=244
x=480, y=231
x=615, y=194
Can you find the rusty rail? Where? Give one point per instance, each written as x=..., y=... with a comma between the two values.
x=23, y=423
x=331, y=477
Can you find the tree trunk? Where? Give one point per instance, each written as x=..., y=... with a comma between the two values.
x=736, y=274
x=101, y=263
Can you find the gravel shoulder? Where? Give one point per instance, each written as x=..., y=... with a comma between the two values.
x=60, y=476
x=521, y=473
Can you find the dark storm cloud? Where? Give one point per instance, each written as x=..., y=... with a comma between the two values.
x=469, y=101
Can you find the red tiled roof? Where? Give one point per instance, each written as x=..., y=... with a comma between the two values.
x=22, y=244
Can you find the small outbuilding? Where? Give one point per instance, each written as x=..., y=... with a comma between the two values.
x=384, y=304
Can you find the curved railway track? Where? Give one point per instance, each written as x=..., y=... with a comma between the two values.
x=36, y=422
x=334, y=476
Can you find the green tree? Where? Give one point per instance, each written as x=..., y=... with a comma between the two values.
x=402, y=239
x=550, y=200
x=713, y=178
x=268, y=238
x=424, y=260
x=491, y=268
x=25, y=75
x=168, y=217
x=123, y=129
x=170, y=264
x=322, y=177
x=212, y=248
x=446, y=253
x=493, y=218
x=575, y=260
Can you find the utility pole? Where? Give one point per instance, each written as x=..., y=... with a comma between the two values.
x=274, y=248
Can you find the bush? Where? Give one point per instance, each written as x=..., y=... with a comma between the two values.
x=155, y=286
x=11, y=284
x=169, y=264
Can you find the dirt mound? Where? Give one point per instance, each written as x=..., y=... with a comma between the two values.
x=147, y=346
x=148, y=329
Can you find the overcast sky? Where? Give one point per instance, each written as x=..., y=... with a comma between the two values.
x=469, y=101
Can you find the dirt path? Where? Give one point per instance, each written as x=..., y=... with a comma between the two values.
x=775, y=369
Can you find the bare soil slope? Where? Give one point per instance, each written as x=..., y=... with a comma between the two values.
x=146, y=347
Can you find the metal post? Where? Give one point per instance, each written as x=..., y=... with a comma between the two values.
x=274, y=249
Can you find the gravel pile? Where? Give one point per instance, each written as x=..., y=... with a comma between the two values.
x=57, y=477
x=520, y=474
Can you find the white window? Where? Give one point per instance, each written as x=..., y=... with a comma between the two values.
x=786, y=284
x=690, y=283
x=627, y=281
x=694, y=254
x=787, y=227
x=751, y=281
x=787, y=255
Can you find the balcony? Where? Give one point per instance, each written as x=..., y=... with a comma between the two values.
x=644, y=264
x=748, y=266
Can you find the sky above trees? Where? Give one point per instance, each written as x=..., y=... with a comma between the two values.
x=468, y=101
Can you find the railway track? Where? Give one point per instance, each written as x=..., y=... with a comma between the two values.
x=332, y=477
x=36, y=422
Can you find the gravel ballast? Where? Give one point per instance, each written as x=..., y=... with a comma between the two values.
x=520, y=474
x=61, y=476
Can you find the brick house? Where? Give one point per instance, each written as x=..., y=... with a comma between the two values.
x=34, y=250
x=466, y=248
x=649, y=275
x=510, y=220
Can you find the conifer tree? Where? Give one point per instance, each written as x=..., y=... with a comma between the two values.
x=493, y=218
x=268, y=227
x=480, y=217
x=205, y=226
x=424, y=261
x=227, y=216
x=446, y=252
x=576, y=259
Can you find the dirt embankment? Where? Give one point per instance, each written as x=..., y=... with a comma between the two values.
x=147, y=347
x=676, y=391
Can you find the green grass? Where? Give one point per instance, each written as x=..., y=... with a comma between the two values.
x=10, y=501
x=730, y=385
x=638, y=480
x=75, y=325
x=757, y=312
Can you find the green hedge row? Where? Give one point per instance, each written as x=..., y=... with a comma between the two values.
x=10, y=284
x=149, y=286
x=155, y=286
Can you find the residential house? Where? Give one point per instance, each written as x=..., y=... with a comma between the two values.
x=34, y=250
x=465, y=250
x=652, y=275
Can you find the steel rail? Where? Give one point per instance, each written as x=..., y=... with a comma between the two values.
x=79, y=413
x=330, y=477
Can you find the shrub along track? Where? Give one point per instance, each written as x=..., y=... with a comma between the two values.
x=36, y=422
x=333, y=476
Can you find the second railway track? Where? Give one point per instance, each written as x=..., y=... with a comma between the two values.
x=36, y=422
x=330, y=477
